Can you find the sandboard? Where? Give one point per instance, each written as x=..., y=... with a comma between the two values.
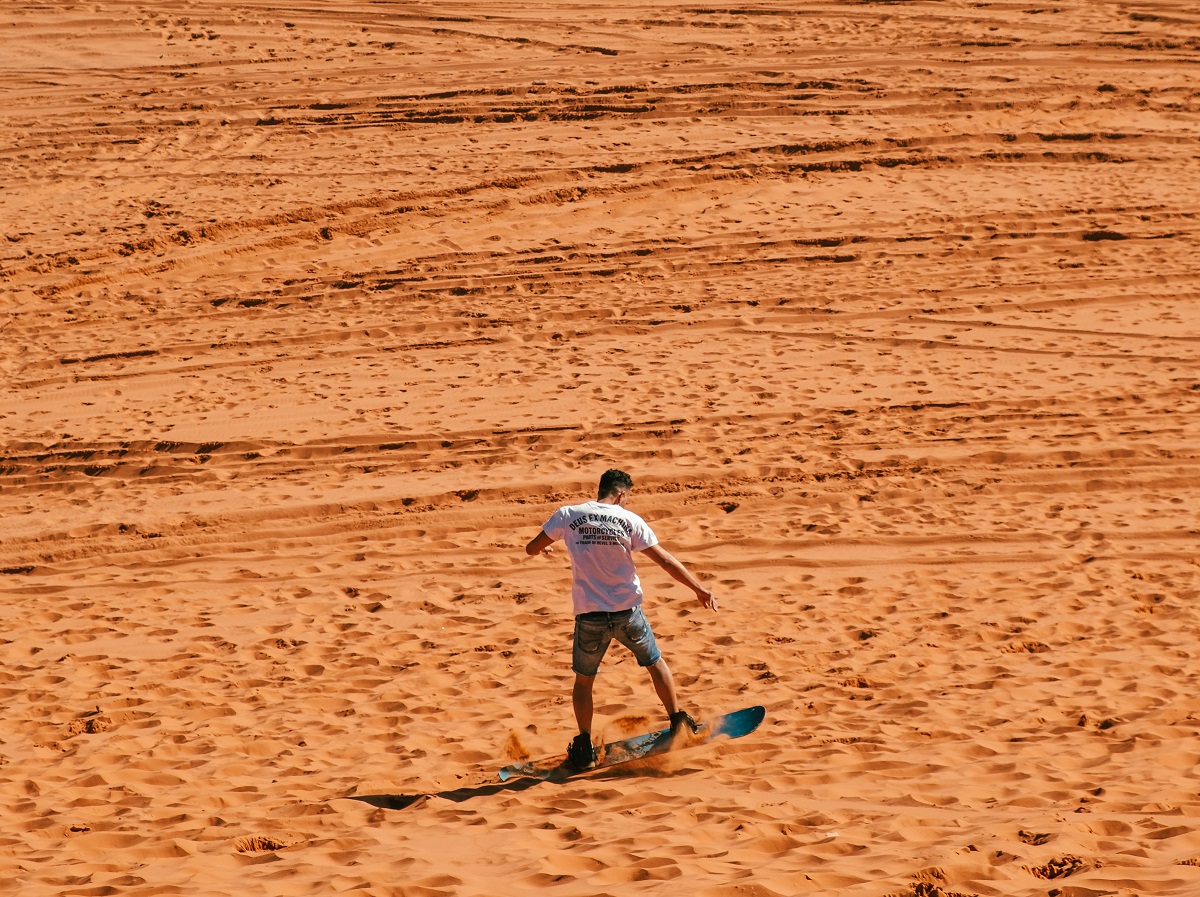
x=639, y=747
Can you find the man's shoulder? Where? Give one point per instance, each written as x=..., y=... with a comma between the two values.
x=603, y=508
x=632, y=521
x=625, y=512
x=575, y=510
x=595, y=509
x=568, y=513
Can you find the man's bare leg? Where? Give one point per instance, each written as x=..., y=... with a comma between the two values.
x=581, y=698
x=664, y=685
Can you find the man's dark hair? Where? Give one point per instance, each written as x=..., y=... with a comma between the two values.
x=612, y=480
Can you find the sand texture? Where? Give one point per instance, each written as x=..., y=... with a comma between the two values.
x=312, y=314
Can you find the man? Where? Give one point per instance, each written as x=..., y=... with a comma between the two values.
x=601, y=537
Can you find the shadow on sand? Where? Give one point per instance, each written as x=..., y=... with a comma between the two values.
x=644, y=768
x=458, y=795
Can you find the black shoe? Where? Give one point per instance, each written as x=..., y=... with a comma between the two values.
x=680, y=719
x=580, y=752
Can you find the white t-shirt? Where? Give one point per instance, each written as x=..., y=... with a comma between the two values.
x=601, y=540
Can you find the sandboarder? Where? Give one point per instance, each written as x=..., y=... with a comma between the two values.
x=601, y=537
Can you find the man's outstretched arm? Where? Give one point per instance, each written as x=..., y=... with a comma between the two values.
x=538, y=543
x=680, y=574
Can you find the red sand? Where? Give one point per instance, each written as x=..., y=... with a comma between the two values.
x=312, y=316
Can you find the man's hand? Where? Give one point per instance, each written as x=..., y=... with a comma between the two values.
x=707, y=598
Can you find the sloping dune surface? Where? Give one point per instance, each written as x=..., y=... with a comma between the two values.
x=312, y=315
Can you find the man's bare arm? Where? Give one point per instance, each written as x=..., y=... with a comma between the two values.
x=539, y=543
x=680, y=574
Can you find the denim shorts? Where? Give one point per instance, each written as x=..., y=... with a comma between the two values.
x=594, y=632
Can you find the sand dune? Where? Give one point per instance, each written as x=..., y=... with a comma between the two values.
x=311, y=317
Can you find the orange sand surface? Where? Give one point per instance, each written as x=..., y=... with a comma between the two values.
x=311, y=315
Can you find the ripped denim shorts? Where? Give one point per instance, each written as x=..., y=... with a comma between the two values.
x=595, y=631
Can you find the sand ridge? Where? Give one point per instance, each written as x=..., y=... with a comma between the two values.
x=311, y=316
